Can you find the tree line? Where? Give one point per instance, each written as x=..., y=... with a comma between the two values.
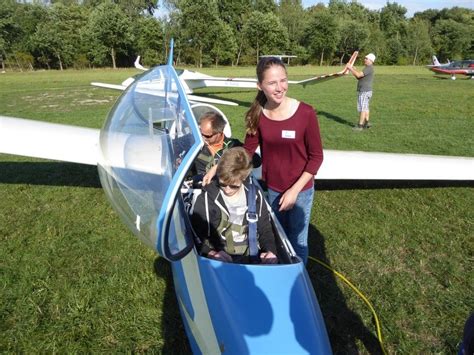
x=103, y=33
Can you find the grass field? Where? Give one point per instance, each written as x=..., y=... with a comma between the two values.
x=74, y=280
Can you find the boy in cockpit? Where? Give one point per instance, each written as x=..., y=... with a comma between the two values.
x=221, y=214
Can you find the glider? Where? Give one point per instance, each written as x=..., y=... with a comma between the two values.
x=143, y=153
x=191, y=80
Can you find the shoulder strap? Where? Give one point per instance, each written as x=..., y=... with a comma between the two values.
x=252, y=219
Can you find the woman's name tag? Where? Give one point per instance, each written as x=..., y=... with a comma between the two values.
x=288, y=134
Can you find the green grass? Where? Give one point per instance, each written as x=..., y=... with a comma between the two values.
x=74, y=280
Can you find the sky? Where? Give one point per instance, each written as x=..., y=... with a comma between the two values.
x=411, y=5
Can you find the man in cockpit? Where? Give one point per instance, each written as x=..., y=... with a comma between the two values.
x=211, y=125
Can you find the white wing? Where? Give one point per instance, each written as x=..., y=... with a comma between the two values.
x=81, y=145
x=353, y=165
x=49, y=140
x=109, y=86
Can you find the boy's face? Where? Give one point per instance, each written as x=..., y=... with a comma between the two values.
x=230, y=188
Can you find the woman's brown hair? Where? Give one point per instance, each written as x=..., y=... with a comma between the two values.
x=253, y=114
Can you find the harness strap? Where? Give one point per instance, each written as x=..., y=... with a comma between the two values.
x=225, y=229
x=207, y=215
x=252, y=219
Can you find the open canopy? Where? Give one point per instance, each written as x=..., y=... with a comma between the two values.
x=148, y=143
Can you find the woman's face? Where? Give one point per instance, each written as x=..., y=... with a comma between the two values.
x=274, y=84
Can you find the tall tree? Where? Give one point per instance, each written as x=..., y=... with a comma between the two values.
x=224, y=46
x=393, y=24
x=452, y=40
x=322, y=35
x=292, y=16
x=418, y=41
x=392, y=20
x=354, y=36
x=149, y=34
x=235, y=13
x=109, y=28
x=199, y=19
x=57, y=36
x=265, y=6
x=8, y=28
x=130, y=7
x=265, y=34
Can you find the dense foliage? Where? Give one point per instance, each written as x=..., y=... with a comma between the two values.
x=98, y=33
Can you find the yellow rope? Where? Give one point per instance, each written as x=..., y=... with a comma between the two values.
x=361, y=295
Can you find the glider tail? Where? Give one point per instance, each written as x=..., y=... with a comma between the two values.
x=138, y=65
x=436, y=61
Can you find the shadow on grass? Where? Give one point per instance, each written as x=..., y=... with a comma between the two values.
x=173, y=333
x=335, y=118
x=49, y=174
x=387, y=184
x=345, y=328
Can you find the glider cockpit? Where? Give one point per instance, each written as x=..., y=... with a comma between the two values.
x=148, y=144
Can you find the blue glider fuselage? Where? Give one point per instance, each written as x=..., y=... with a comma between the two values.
x=253, y=308
x=148, y=144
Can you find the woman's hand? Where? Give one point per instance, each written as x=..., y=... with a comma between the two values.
x=288, y=199
x=209, y=175
x=268, y=258
x=220, y=255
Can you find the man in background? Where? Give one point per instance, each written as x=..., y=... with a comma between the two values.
x=364, y=90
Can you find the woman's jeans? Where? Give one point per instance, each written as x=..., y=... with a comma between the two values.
x=295, y=222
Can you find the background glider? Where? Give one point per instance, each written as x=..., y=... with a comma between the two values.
x=191, y=80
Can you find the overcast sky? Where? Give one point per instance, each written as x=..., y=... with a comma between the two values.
x=411, y=5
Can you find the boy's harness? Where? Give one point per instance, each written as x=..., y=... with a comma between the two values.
x=252, y=219
x=249, y=246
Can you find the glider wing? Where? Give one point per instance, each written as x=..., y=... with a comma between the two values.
x=49, y=140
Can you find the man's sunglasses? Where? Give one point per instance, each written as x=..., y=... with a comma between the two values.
x=233, y=187
x=208, y=135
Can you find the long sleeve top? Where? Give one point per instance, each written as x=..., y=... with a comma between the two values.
x=288, y=148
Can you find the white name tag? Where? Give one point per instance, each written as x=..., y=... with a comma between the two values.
x=288, y=134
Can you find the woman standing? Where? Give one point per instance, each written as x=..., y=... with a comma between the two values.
x=288, y=134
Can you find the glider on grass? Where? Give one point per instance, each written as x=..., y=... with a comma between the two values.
x=143, y=152
x=460, y=67
x=191, y=80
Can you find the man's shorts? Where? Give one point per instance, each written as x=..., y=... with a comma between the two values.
x=363, y=101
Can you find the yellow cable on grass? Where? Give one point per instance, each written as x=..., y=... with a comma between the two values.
x=361, y=295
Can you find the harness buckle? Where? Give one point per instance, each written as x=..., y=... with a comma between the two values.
x=252, y=217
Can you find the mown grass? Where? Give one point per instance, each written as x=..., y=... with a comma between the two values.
x=73, y=279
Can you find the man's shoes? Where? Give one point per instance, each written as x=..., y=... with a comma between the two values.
x=358, y=127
